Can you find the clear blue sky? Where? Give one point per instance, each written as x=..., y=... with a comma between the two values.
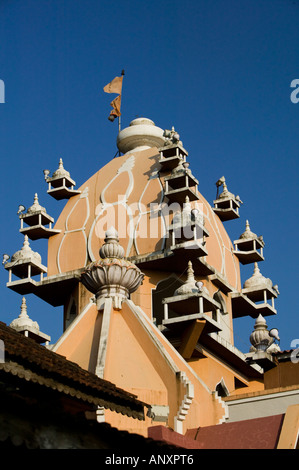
x=218, y=70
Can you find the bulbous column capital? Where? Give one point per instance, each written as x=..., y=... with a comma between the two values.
x=260, y=338
x=112, y=276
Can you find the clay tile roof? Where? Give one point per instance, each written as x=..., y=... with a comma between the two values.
x=257, y=433
x=27, y=359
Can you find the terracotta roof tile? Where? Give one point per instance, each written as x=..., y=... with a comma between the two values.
x=39, y=360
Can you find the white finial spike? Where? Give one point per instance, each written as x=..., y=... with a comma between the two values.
x=260, y=320
x=35, y=198
x=189, y=287
x=23, y=322
x=26, y=243
x=23, y=309
x=256, y=268
x=190, y=272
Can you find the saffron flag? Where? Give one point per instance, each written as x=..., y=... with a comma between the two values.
x=116, y=106
x=115, y=86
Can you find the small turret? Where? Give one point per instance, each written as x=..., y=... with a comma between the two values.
x=24, y=325
x=25, y=263
x=181, y=183
x=226, y=204
x=172, y=154
x=249, y=247
x=37, y=218
x=61, y=185
x=192, y=297
x=187, y=230
x=263, y=344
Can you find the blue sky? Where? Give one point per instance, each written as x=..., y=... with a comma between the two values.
x=218, y=70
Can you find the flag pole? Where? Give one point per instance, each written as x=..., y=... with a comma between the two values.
x=119, y=120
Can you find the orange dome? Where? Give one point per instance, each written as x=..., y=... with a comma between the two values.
x=128, y=194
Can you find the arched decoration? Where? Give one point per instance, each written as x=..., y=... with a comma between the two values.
x=222, y=389
x=74, y=235
x=164, y=288
x=150, y=229
x=114, y=210
x=219, y=298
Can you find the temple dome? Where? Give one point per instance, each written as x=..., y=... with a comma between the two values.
x=128, y=193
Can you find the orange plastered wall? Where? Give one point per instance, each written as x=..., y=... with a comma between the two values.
x=78, y=343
